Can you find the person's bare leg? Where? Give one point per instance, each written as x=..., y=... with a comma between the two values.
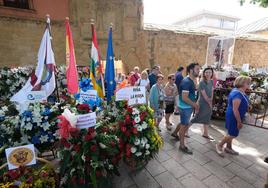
x=205, y=133
x=223, y=141
x=167, y=116
x=182, y=132
x=229, y=143
x=177, y=129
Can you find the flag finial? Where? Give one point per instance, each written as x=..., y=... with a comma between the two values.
x=111, y=24
x=92, y=21
x=67, y=18
x=48, y=18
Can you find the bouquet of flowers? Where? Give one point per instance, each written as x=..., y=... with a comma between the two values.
x=27, y=177
x=39, y=125
x=139, y=139
x=88, y=158
x=12, y=80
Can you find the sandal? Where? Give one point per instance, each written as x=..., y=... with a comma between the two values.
x=175, y=136
x=208, y=137
x=186, y=150
x=231, y=151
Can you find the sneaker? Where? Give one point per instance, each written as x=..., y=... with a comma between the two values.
x=219, y=150
x=231, y=151
x=186, y=150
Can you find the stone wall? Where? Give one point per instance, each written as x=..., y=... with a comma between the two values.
x=20, y=38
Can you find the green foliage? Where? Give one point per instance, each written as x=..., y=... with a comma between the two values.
x=262, y=3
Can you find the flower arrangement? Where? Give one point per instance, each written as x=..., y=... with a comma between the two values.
x=26, y=177
x=39, y=125
x=139, y=139
x=12, y=80
x=88, y=157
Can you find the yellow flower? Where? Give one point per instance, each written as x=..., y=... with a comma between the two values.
x=6, y=185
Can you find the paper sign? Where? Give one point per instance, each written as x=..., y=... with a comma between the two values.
x=137, y=95
x=86, y=120
x=36, y=96
x=262, y=70
x=20, y=156
x=123, y=94
x=86, y=95
x=221, y=76
x=245, y=68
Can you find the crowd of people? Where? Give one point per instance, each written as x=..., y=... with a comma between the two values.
x=190, y=97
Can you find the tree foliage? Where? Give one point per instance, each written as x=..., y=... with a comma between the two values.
x=262, y=3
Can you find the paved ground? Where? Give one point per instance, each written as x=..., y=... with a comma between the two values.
x=172, y=169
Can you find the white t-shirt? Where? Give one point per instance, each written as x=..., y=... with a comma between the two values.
x=142, y=82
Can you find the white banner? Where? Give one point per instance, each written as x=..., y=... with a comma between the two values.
x=86, y=120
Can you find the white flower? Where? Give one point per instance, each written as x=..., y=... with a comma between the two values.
x=83, y=157
x=43, y=138
x=147, y=152
x=144, y=125
x=2, y=113
x=135, y=111
x=139, y=128
x=137, y=142
x=133, y=149
x=28, y=126
x=147, y=146
x=8, y=82
x=137, y=119
x=138, y=154
x=144, y=140
x=5, y=108
x=111, y=167
x=102, y=145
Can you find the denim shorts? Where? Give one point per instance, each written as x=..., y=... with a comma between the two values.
x=185, y=116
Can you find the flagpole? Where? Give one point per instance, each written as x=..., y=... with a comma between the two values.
x=55, y=68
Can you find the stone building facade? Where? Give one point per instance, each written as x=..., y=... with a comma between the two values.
x=134, y=44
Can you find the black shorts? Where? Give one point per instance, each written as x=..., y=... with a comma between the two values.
x=169, y=108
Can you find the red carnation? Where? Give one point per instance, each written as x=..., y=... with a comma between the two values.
x=73, y=180
x=129, y=109
x=88, y=137
x=81, y=181
x=65, y=143
x=127, y=133
x=128, y=153
x=121, y=124
x=123, y=129
x=74, y=132
x=91, y=130
x=98, y=173
x=93, y=148
x=143, y=115
x=133, y=122
x=113, y=144
x=128, y=119
x=135, y=131
x=88, y=158
x=76, y=148
x=83, y=107
x=13, y=174
x=104, y=129
x=29, y=180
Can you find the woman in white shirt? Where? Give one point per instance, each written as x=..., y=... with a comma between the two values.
x=144, y=81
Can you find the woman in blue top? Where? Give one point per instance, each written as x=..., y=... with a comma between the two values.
x=238, y=104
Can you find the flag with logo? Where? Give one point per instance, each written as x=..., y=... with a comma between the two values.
x=71, y=71
x=96, y=73
x=109, y=71
x=43, y=77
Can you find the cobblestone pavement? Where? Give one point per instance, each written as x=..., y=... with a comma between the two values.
x=173, y=169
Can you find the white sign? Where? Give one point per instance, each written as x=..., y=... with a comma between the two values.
x=86, y=120
x=20, y=156
x=245, y=68
x=86, y=95
x=36, y=96
x=221, y=75
x=123, y=94
x=137, y=95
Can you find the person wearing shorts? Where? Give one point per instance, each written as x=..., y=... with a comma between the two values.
x=187, y=103
x=170, y=96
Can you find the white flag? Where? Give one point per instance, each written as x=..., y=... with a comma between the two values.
x=43, y=78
